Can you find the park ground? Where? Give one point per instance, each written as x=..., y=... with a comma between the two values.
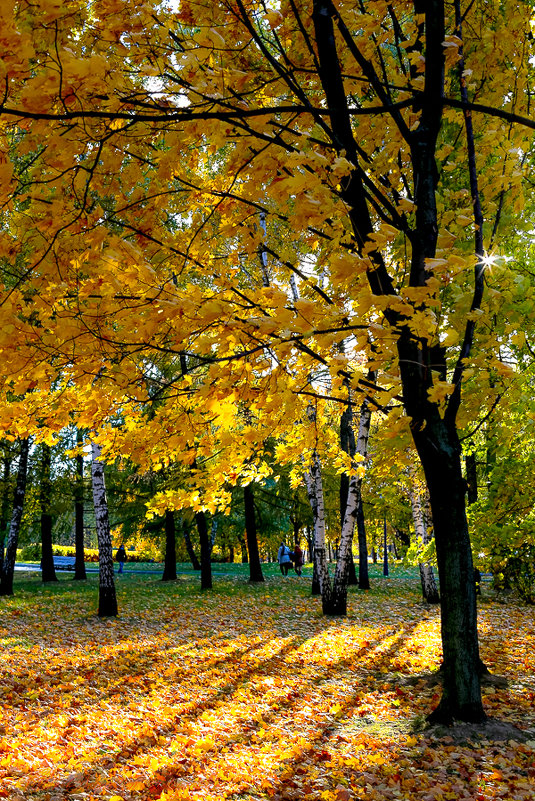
x=248, y=693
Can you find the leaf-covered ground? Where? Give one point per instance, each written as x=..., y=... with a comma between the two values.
x=249, y=693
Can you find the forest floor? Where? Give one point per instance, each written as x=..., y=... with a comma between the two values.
x=248, y=693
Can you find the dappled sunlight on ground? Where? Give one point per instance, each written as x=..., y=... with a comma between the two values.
x=247, y=693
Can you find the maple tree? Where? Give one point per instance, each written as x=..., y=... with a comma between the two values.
x=383, y=144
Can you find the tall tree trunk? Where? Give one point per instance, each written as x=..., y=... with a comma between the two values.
x=4, y=507
x=244, y=554
x=314, y=486
x=79, y=562
x=347, y=443
x=48, y=572
x=213, y=532
x=255, y=568
x=338, y=601
x=189, y=546
x=435, y=438
x=440, y=453
x=427, y=577
x=206, y=551
x=169, y=570
x=315, y=586
x=385, y=549
x=352, y=579
x=107, y=599
x=364, y=573
x=10, y=557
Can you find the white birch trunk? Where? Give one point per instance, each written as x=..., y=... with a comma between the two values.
x=350, y=517
x=314, y=485
x=427, y=576
x=107, y=602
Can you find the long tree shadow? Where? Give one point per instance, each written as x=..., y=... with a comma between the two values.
x=189, y=712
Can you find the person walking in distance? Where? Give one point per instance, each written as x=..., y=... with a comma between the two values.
x=283, y=557
x=120, y=557
x=298, y=559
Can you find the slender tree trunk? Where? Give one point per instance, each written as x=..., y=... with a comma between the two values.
x=296, y=529
x=213, y=532
x=244, y=554
x=471, y=477
x=315, y=493
x=169, y=570
x=364, y=574
x=385, y=549
x=10, y=557
x=206, y=551
x=315, y=586
x=338, y=601
x=347, y=443
x=352, y=579
x=107, y=599
x=48, y=572
x=4, y=509
x=79, y=563
x=427, y=577
x=255, y=568
x=189, y=547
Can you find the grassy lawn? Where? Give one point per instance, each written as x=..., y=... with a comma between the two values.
x=248, y=692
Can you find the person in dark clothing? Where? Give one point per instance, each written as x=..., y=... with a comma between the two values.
x=120, y=557
x=298, y=559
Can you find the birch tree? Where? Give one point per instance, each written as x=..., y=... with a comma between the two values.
x=107, y=600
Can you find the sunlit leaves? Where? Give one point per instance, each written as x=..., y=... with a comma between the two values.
x=247, y=694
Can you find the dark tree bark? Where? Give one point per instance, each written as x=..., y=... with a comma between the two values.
x=315, y=587
x=189, y=547
x=10, y=556
x=385, y=550
x=255, y=568
x=244, y=554
x=169, y=570
x=79, y=563
x=107, y=599
x=435, y=438
x=471, y=477
x=347, y=443
x=352, y=580
x=48, y=572
x=4, y=507
x=206, y=551
x=364, y=573
x=462, y=695
x=213, y=533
